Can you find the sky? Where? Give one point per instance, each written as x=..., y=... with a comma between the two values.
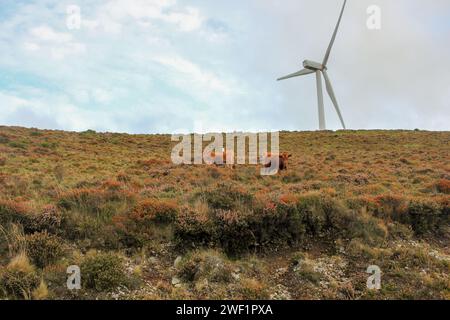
x=178, y=66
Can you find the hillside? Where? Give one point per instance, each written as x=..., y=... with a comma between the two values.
x=141, y=227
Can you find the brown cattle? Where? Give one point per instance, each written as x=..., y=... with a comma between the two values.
x=283, y=160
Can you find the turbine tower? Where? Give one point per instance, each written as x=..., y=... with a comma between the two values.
x=319, y=69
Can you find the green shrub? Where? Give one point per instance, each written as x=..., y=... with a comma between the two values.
x=14, y=212
x=44, y=249
x=426, y=216
x=209, y=265
x=233, y=231
x=103, y=271
x=227, y=197
x=92, y=200
x=18, y=279
x=322, y=214
x=194, y=227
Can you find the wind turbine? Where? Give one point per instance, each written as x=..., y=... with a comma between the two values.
x=318, y=68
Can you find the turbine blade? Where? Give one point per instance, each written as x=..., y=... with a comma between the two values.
x=333, y=97
x=297, y=74
x=330, y=46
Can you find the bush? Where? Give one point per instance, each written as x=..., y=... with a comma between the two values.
x=103, y=271
x=44, y=249
x=390, y=206
x=253, y=289
x=426, y=216
x=209, y=265
x=92, y=199
x=152, y=211
x=234, y=232
x=227, y=197
x=322, y=214
x=19, y=279
x=443, y=186
x=14, y=212
x=149, y=219
x=49, y=219
x=194, y=227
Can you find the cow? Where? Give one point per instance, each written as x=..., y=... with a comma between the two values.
x=282, y=158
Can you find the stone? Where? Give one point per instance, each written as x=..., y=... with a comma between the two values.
x=177, y=261
x=176, y=281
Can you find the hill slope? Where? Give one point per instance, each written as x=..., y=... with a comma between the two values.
x=115, y=205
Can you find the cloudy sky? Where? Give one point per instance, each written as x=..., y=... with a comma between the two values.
x=146, y=66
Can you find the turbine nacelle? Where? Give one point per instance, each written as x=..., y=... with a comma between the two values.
x=311, y=65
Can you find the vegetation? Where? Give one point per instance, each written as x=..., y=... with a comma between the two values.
x=140, y=227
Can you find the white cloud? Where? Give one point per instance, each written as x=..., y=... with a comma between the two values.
x=189, y=20
x=191, y=73
x=46, y=33
x=57, y=44
x=112, y=15
x=31, y=46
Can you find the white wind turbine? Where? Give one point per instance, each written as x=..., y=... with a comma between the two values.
x=317, y=68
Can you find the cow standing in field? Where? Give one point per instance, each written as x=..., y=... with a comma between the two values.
x=282, y=158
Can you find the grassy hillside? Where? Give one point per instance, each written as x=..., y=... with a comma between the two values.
x=140, y=227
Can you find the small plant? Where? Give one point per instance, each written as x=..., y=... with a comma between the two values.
x=194, y=226
x=103, y=271
x=253, y=289
x=227, y=197
x=58, y=171
x=19, y=278
x=44, y=249
x=14, y=212
x=49, y=219
x=154, y=211
x=443, y=186
x=209, y=265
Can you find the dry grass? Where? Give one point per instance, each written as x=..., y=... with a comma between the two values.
x=355, y=194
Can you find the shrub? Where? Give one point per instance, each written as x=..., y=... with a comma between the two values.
x=426, y=216
x=278, y=223
x=443, y=186
x=360, y=225
x=19, y=278
x=233, y=231
x=91, y=199
x=227, y=197
x=154, y=211
x=209, y=265
x=103, y=271
x=49, y=219
x=194, y=227
x=14, y=212
x=4, y=139
x=321, y=214
x=253, y=289
x=123, y=177
x=390, y=206
x=148, y=220
x=44, y=249
x=41, y=292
